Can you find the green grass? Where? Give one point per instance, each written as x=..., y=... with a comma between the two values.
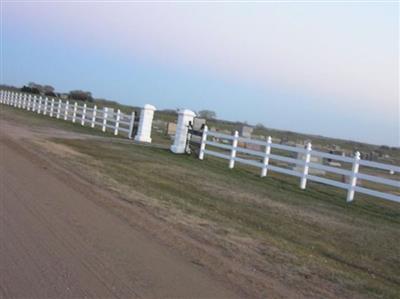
x=353, y=245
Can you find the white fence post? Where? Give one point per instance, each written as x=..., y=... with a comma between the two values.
x=131, y=124
x=267, y=152
x=353, y=177
x=105, y=115
x=66, y=110
x=39, y=104
x=16, y=100
x=233, y=150
x=52, y=107
x=303, y=181
x=19, y=100
x=203, y=143
x=45, y=106
x=117, y=122
x=94, y=116
x=29, y=102
x=83, y=115
x=59, y=108
x=34, y=103
x=74, y=112
x=24, y=102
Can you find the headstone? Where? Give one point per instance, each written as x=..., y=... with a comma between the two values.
x=254, y=147
x=171, y=129
x=246, y=131
x=335, y=164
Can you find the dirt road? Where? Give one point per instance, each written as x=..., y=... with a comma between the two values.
x=56, y=243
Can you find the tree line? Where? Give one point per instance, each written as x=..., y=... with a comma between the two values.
x=48, y=90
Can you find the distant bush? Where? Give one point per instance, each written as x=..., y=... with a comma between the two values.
x=208, y=114
x=80, y=95
x=50, y=94
x=29, y=89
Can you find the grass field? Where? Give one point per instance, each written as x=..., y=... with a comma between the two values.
x=309, y=240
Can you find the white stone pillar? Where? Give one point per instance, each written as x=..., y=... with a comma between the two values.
x=145, y=122
x=184, y=117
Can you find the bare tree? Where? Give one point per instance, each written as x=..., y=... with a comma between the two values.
x=208, y=114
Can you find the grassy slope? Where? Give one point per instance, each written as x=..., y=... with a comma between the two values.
x=313, y=237
x=353, y=246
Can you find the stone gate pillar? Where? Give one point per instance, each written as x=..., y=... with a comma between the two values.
x=145, y=122
x=184, y=117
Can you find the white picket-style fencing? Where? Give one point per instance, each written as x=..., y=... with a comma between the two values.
x=262, y=160
x=93, y=117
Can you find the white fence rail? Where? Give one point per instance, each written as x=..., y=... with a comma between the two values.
x=262, y=159
x=105, y=118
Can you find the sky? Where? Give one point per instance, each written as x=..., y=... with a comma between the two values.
x=326, y=68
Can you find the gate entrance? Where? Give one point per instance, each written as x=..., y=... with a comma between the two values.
x=195, y=132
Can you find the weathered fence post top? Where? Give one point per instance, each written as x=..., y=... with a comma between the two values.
x=145, y=122
x=184, y=117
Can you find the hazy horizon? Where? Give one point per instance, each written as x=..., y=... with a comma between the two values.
x=323, y=69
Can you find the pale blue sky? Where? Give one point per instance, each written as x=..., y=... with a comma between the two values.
x=327, y=68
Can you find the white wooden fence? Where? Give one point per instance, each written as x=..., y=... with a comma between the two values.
x=262, y=160
x=105, y=118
